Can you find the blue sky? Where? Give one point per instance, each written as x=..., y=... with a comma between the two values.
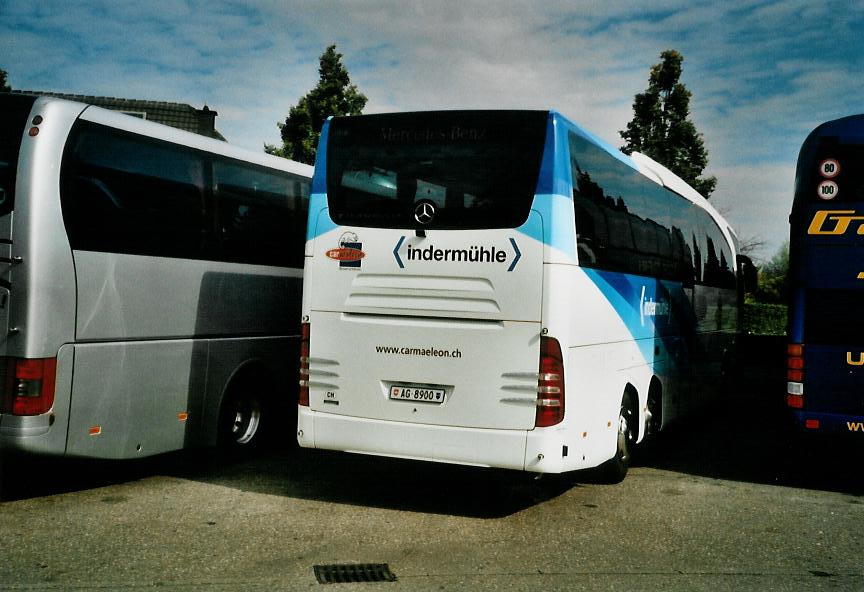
x=762, y=74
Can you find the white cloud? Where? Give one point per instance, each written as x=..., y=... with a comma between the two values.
x=762, y=73
x=757, y=200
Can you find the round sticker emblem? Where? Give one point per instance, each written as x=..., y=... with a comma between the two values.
x=827, y=190
x=829, y=168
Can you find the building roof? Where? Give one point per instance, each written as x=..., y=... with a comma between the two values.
x=177, y=115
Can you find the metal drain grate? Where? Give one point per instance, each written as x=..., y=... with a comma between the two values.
x=360, y=572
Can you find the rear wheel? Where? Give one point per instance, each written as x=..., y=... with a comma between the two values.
x=242, y=417
x=615, y=469
x=655, y=410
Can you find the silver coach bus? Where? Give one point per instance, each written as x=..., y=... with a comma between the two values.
x=150, y=283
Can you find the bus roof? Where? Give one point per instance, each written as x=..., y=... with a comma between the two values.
x=848, y=129
x=140, y=126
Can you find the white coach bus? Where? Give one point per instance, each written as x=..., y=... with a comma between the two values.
x=147, y=281
x=503, y=289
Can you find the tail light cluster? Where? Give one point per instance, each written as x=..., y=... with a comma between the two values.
x=28, y=388
x=550, y=384
x=303, y=397
x=795, y=376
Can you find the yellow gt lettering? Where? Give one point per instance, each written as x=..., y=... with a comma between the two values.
x=841, y=218
x=858, y=362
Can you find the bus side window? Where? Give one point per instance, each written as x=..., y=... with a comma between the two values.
x=121, y=193
x=260, y=215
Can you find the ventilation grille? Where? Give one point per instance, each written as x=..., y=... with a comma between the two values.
x=361, y=572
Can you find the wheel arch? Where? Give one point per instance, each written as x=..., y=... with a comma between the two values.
x=250, y=374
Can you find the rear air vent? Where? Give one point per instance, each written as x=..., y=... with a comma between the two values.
x=361, y=572
x=411, y=293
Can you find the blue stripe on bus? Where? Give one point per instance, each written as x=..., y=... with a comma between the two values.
x=624, y=293
x=580, y=131
x=554, y=226
x=320, y=222
x=319, y=177
x=554, y=176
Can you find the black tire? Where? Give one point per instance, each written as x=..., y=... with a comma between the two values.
x=615, y=469
x=242, y=417
x=655, y=409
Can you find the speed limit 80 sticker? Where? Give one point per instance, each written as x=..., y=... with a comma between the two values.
x=829, y=168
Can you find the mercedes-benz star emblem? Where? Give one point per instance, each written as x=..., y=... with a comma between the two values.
x=424, y=212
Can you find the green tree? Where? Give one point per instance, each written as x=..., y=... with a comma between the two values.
x=334, y=95
x=774, y=278
x=4, y=87
x=660, y=127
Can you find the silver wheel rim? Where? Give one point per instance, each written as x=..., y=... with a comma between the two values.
x=623, y=436
x=246, y=424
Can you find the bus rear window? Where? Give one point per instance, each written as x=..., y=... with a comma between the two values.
x=14, y=110
x=477, y=169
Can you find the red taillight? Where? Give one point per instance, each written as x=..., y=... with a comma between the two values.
x=29, y=386
x=795, y=401
x=795, y=376
x=303, y=397
x=550, y=384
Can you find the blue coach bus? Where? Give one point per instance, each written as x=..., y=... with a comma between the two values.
x=825, y=390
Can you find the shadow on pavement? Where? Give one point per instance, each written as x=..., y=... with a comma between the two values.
x=744, y=438
x=749, y=441
x=293, y=472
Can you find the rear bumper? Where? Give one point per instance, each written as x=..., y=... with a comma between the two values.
x=832, y=423
x=34, y=434
x=503, y=449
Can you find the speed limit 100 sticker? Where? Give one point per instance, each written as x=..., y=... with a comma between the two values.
x=829, y=168
x=827, y=190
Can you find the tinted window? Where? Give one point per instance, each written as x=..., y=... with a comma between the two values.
x=478, y=169
x=124, y=193
x=261, y=215
x=717, y=267
x=14, y=111
x=622, y=219
x=127, y=194
x=626, y=222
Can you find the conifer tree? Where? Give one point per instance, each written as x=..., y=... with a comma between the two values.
x=660, y=127
x=334, y=95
